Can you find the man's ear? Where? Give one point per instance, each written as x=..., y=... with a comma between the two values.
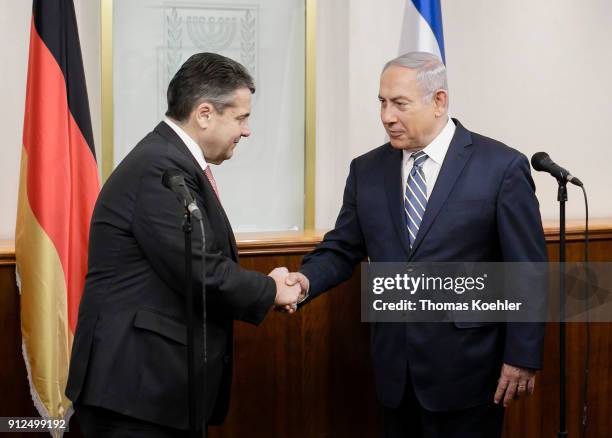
x=440, y=100
x=202, y=114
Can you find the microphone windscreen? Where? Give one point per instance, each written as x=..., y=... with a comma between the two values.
x=169, y=175
x=539, y=159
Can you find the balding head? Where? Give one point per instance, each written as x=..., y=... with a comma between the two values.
x=430, y=71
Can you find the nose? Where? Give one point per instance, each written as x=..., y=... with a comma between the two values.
x=246, y=130
x=387, y=115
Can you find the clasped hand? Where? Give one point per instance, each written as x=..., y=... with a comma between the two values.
x=291, y=289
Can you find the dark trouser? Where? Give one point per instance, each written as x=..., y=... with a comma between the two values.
x=411, y=420
x=97, y=422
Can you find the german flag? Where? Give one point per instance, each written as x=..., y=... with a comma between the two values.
x=57, y=190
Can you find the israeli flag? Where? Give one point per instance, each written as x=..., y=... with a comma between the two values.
x=422, y=28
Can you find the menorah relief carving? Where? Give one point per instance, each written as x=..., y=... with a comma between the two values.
x=214, y=33
x=231, y=30
x=174, y=26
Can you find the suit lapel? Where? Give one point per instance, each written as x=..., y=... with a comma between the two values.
x=206, y=185
x=393, y=188
x=457, y=156
x=168, y=133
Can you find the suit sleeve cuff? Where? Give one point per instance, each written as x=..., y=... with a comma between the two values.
x=257, y=312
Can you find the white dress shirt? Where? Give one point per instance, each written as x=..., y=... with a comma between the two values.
x=193, y=147
x=436, y=151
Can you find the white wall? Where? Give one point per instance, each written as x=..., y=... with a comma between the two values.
x=354, y=40
x=534, y=75
x=14, y=39
x=333, y=107
x=15, y=18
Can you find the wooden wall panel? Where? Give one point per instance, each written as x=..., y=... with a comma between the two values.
x=538, y=416
x=15, y=399
x=309, y=375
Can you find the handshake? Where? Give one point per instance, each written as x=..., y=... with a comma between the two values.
x=291, y=289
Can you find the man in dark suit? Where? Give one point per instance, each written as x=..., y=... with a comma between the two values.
x=436, y=193
x=128, y=373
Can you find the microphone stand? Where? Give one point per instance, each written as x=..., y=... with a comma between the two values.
x=191, y=394
x=562, y=198
x=191, y=365
x=204, y=325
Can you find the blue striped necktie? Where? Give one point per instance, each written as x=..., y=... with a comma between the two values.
x=415, y=196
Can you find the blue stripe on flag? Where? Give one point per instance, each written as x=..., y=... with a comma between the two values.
x=432, y=13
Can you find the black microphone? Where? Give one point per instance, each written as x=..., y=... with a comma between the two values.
x=175, y=181
x=542, y=163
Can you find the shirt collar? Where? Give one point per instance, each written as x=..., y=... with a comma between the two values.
x=436, y=150
x=193, y=147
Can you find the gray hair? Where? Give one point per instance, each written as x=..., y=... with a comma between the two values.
x=431, y=71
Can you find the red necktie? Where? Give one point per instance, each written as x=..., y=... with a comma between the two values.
x=211, y=180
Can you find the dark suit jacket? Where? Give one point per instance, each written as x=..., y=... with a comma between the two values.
x=482, y=208
x=129, y=352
